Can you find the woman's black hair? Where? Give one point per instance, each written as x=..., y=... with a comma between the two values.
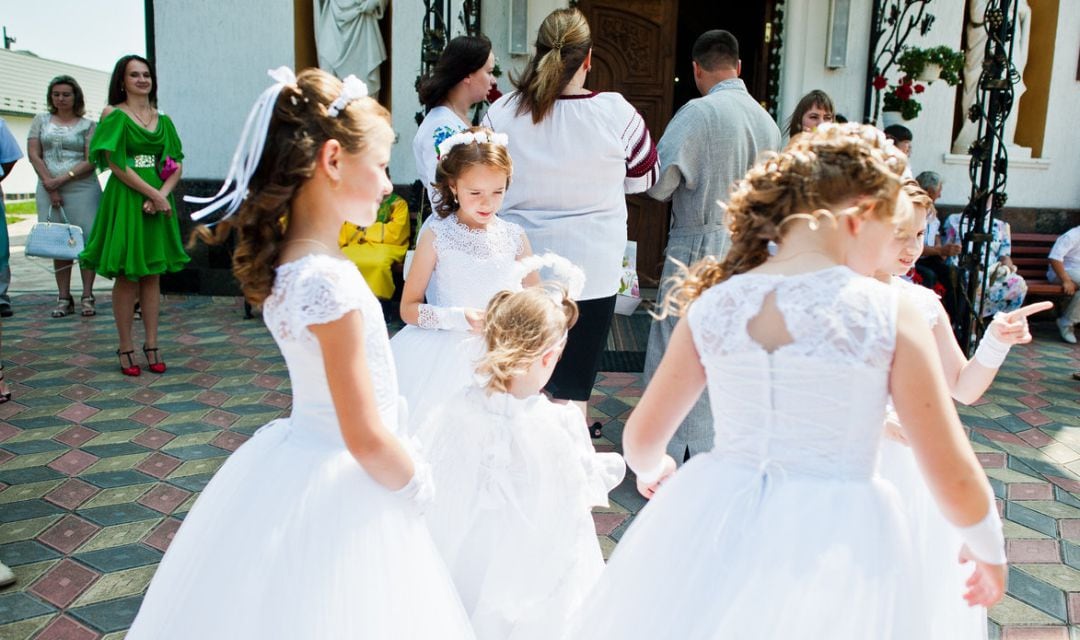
x=117, y=93
x=462, y=56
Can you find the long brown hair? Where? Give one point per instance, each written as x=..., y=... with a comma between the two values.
x=299, y=127
x=816, y=98
x=819, y=170
x=562, y=43
x=520, y=327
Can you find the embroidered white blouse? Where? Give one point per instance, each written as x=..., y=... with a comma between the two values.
x=572, y=172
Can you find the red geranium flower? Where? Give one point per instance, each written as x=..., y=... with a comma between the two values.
x=494, y=93
x=880, y=83
x=939, y=289
x=919, y=88
x=904, y=92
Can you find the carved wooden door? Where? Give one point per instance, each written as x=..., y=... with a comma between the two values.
x=634, y=54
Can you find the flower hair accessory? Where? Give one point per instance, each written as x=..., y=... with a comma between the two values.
x=248, y=150
x=352, y=89
x=469, y=137
x=566, y=272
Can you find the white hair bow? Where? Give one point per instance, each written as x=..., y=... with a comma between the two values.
x=566, y=272
x=248, y=150
x=469, y=137
x=353, y=89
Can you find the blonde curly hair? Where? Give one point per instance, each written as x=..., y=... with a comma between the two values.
x=821, y=172
x=519, y=327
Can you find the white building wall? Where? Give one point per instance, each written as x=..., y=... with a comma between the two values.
x=802, y=68
x=1051, y=181
x=212, y=59
x=405, y=58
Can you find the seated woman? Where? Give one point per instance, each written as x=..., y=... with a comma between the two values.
x=1005, y=288
x=377, y=248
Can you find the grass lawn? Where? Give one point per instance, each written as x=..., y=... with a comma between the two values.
x=20, y=210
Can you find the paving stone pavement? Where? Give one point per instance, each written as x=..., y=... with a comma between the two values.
x=97, y=470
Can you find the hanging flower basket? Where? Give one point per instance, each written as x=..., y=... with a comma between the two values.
x=930, y=72
x=900, y=99
x=889, y=118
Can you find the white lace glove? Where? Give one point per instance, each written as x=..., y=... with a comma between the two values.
x=448, y=318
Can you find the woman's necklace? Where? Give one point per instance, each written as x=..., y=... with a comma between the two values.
x=144, y=123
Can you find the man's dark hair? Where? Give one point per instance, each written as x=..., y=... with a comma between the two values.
x=716, y=49
x=898, y=133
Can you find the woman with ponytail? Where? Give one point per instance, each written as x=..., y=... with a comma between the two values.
x=783, y=530
x=582, y=152
x=517, y=476
x=462, y=77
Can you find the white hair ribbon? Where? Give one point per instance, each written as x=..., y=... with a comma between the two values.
x=469, y=137
x=352, y=89
x=248, y=150
x=567, y=273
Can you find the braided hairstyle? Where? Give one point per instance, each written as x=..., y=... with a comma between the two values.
x=562, y=43
x=821, y=172
x=298, y=129
x=520, y=327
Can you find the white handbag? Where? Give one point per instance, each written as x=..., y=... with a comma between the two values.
x=56, y=240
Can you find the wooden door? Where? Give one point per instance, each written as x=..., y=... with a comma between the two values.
x=634, y=54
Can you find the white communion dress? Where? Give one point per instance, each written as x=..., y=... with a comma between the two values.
x=292, y=539
x=438, y=356
x=516, y=480
x=936, y=542
x=782, y=530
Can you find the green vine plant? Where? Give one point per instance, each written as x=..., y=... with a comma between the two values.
x=914, y=61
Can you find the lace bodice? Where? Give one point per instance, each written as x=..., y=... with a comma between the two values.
x=471, y=265
x=814, y=406
x=314, y=290
x=62, y=146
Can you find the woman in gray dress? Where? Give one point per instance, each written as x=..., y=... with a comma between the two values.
x=58, y=148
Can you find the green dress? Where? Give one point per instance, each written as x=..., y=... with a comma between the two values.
x=125, y=241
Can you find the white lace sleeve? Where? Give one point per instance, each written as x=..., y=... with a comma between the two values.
x=430, y=316
x=323, y=294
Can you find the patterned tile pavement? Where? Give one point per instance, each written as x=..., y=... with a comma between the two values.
x=97, y=471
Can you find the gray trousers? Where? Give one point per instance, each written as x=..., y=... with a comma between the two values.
x=687, y=245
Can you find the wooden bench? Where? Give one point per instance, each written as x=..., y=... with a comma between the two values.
x=1030, y=253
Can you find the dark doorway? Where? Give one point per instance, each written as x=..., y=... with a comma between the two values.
x=747, y=21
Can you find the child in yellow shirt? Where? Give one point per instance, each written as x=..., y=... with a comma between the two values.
x=374, y=250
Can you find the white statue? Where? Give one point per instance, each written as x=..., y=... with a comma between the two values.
x=348, y=40
x=973, y=65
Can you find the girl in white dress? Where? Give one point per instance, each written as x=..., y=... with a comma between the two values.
x=517, y=476
x=464, y=256
x=937, y=543
x=782, y=531
x=311, y=529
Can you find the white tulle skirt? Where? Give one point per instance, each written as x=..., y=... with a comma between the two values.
x=936, y=548
x=433, y=365
x=724, y=551
x=293, y=540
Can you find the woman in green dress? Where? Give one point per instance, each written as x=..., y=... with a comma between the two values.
x=136, y=235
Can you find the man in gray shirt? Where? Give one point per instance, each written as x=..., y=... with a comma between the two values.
x=710, y=144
